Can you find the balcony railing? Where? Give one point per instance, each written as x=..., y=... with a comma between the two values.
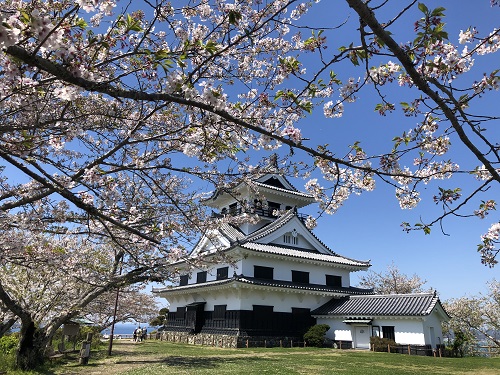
x=264, y=212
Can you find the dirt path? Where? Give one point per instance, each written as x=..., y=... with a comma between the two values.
x=125, y=357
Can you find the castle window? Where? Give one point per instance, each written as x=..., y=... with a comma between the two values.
x=180, y=313
x=219, y=312
x=222, y=273
x=300, y=311
x=332, y=280
x=263, y=310
x=233, y=209
x=291, y=238
x=183, y=280
x=388, y=332
x=262, y=272
x=201, y=277
x=300, y=277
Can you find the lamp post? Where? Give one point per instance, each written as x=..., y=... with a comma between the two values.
x=111, y=336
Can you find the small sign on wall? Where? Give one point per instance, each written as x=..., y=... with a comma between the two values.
x=70, y=329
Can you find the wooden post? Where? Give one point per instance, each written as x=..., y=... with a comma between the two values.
x=440, y=352
x=388, y=348
x=291, y=343
x=281, y=343
x=265, y=343
x=85, y=350
x=409, y=349
x=340, y=344
x=247, y=343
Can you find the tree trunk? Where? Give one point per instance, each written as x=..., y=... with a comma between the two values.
x=6, y=326
x=30, y=353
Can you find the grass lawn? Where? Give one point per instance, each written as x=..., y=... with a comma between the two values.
x=156, y=357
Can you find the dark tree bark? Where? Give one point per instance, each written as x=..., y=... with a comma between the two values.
x=33, y=341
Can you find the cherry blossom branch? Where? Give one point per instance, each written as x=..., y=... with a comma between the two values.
x=369, y=18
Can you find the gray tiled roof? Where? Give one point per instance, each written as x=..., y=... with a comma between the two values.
x=234, y=186
x=418, y=304
x=287, y=191
x=271, y=227
x=292, y=285
x=231, y=232
x=287, y=251
x=282, y=284
x=237, y=238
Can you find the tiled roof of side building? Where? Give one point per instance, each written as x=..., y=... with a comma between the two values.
x=287, y=251
x=417, y=304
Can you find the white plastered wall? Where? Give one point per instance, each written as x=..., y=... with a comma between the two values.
x=406, y=331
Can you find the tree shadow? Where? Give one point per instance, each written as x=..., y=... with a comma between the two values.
x=193, y=362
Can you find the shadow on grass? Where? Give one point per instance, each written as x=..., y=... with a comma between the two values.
x=193, y=362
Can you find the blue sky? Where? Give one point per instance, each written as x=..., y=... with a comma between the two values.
x=368, y=226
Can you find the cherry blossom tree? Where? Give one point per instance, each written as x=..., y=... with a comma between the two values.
x=112, y=110
x=61, y=278
x=133, y=305
x=392, y=281
x=134, y=83
x=477, y=316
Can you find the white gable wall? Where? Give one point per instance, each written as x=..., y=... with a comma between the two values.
x=407, y=331
x=432, y=326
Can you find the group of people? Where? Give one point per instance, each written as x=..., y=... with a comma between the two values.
x=140, y=334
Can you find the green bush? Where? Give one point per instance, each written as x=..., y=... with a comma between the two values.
x=8, y=344
x=380, y=344
x=315, y=336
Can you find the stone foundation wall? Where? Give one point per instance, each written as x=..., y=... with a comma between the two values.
x=217, y=340
x=230, y=341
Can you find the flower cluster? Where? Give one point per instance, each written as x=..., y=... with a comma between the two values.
x=293, y=133
x=487, y=248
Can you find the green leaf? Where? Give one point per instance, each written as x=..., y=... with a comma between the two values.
x=307, y=106
x=161, y=54
x=81, y=23
x=24, y=17
x=423, y=8
x=438, y=12
x=234, y=17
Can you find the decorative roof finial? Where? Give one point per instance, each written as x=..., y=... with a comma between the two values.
x=273, y=161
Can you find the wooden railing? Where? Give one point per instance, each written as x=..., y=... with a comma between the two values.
x=267, y=212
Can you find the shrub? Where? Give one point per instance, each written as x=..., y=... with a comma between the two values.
x=379, y=344
x=315, y=336
x=8, y=344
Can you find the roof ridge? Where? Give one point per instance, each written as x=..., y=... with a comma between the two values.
x=416, y=294
x=274, y=225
